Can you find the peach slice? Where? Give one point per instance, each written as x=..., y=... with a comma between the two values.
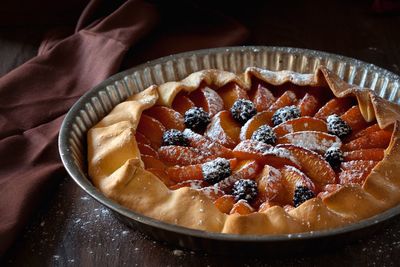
x=264, y=117
x=300, y=124
x=247, y=169
x=313, y=165
x=147, y=150
x=225, y=203
x=194, y=184
x=190, y=172
x=354, y=119
x=162, y=175
x=208, y=99
x=308, y=105
x=263, y=153
x=262, y=98
x=334, y=106
x=286, y=99
x=182, y=103
x=242, y=207
x=230, y=93
x=315, y=141
x=153, y=129
x=152, y=162
x=181, y=155
x=370, y=129
x=205, y=144
x=358, y=165
x=354, y=176
x=378, y=139
x=254, y=123
x=140, y=138
x=223, y=129
x=365, y=154
x=271, y=185
x=293, y=178
x=170, y=118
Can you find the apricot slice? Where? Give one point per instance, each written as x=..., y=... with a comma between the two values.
x=153, y=129
x=365, y=154
x=254, y=123
x=288, y=98
x=208, y=99
x=182, y=103
x=152, y=162
x=271, y=185
x=170, y=118
x=230, y=93
x=247, y=169
x=162, y=175
x=293, y=178
x=147, y=150
x=225, y=203
x=315, y=141
x=353, y=176
x=223, y=129
x=358, y=165
x=334, y=106
x=300, y=124
x=140, y=138
x=205, y=144
x=181, y=155
x=190, y=172
x=263, y=153
x=378, y=139
x=354, y=119
x=308, y=105
x=313, y=165
x=262, y=98
x=373, y=128
x=242, y=207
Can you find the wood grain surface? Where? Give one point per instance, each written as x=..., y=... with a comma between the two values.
x=72, y=229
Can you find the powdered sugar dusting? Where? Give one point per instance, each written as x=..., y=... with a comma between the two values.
x=312, y=140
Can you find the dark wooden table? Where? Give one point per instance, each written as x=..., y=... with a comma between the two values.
x=71, y=229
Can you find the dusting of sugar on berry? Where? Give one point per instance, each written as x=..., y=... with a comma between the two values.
x=216, y=170
x=243, y=110
x=284, y=114
x=338, y=126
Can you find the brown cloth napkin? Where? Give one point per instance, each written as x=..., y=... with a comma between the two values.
x=35, y=96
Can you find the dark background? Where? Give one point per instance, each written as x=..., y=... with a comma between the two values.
x=71, y=229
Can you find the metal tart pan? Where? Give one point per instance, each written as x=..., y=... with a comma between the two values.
x=99, y=101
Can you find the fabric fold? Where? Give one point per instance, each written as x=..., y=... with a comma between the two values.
x=35, y=96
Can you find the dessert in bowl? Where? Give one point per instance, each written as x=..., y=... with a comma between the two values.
x=262, y=152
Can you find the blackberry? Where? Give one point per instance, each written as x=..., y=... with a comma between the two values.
x=197, y=119
x=264, y=134
x=285, y=114
x=245, y=189
x=243, y=110
x=216, y=170
x=334, y=156
x=302, y=194
x=174, y=137
x=337, y=126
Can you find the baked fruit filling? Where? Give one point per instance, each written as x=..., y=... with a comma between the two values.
x=249, y=150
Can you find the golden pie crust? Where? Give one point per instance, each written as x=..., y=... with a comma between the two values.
x=116, y=169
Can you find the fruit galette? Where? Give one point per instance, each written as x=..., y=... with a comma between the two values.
x=258, y=153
